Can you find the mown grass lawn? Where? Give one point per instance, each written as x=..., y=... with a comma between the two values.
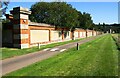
x=116, y=37
x=95, y=58
x=12, y=52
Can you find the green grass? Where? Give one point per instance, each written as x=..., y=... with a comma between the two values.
x=95, y=58
x=12, y=52
x=116, y=37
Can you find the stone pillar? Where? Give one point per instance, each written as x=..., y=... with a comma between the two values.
x=49, y=35
x=62, y=34
x=86, y=33
x=93, y=33
x=73, y=36
x=20, y=27
x=78, y=34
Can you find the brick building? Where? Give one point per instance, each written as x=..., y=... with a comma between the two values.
x=22, y=33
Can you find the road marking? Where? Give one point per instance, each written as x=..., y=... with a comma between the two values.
x=46, y=49
x=62, y=50
x=54, y=49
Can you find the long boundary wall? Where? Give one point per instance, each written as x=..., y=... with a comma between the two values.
x=27, y=34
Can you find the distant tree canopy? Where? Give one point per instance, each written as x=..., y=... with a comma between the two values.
x=60, y=14
x=106, y=27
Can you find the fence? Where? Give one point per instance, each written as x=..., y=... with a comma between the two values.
x=22, y=33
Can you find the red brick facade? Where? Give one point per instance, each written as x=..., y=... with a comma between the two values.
x=22, y=29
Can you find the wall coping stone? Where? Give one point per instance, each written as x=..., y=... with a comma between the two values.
x=20, y=10
x=40, y=24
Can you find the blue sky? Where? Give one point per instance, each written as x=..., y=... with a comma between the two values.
x=106, y=12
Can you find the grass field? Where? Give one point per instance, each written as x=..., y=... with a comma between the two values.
x=117, y=39
x=12, y=52
x=95, y=58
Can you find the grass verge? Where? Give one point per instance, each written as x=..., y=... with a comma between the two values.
x=116, y=37
x=95, y=58
x=12, y=52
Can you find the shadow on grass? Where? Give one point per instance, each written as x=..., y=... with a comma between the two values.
x=116, y=42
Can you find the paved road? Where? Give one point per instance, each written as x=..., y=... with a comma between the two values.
x=12, y=64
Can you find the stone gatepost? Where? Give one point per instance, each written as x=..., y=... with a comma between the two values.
x=20, y=27
x=86, y=32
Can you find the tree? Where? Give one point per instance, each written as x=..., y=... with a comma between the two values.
x=80, y=20
x=59, y=14
x=3, y=8
x=86, y=21
x=100, y=27
x=104, y=27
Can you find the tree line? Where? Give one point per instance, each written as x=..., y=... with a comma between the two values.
x=107, y=27
x=61, y=14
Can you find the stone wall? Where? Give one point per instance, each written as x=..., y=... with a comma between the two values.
x=27, y=34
